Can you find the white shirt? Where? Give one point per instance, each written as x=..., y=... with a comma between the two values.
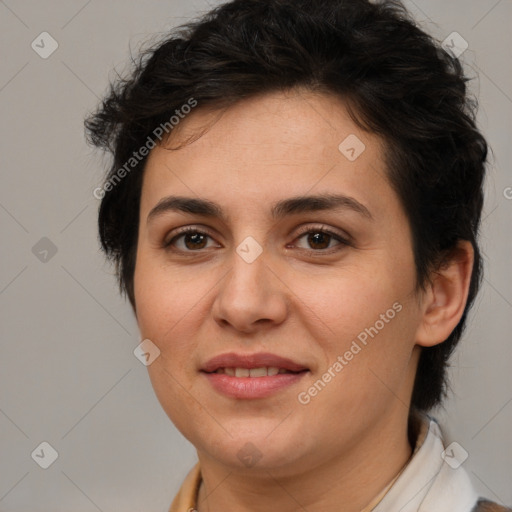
x=433, y=481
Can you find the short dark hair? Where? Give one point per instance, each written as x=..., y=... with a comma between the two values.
x=397, y=81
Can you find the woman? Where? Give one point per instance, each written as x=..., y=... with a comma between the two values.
x=293, y=209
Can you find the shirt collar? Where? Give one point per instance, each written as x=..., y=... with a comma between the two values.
x=186, y=499
x=433, y=479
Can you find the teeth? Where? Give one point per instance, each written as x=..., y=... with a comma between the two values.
x=258, y=372
x=253, y=372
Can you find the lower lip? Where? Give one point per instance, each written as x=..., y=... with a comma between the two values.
x=252, y=387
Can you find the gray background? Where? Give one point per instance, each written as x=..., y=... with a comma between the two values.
x=68, y=375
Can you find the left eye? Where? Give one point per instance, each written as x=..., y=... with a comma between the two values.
x=320, y=239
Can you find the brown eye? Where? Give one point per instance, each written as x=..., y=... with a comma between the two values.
x=194, y=240
x=320, y=239
x=191, y=240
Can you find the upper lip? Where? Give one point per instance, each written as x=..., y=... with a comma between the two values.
x=263, y=359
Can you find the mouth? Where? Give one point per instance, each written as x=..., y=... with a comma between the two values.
x=252, y=365
x=250, y=376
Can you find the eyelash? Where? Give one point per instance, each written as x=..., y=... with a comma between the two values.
x=191, y=229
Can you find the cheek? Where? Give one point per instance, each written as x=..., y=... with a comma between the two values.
x=345, y=303
x=169, y=304
x=367, y=317
x=158, y=295
x=166, y=308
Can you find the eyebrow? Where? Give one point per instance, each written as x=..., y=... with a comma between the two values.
x=280, y=209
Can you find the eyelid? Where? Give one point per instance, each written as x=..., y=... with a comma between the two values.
x=344, y=237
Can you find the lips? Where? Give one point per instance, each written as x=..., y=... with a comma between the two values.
x=252, y=376
x=251, y=361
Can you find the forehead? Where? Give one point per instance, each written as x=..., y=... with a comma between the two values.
x=266, y=148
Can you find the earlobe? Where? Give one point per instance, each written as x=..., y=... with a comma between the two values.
x=446, y=295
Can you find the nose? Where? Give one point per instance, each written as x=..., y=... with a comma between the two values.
x=251, y=297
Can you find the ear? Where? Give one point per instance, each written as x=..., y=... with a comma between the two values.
x=445, y=297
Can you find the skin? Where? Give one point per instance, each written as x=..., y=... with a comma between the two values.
x=297, y=300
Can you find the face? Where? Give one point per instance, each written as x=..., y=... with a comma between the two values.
x=327, y=286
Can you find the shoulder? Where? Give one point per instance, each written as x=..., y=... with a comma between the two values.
x=489, y=506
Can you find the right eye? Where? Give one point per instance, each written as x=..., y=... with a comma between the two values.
x=193, y=240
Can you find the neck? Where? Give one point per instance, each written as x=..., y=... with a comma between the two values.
x=352, y=478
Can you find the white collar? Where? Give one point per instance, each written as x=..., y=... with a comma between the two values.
x=428, y=483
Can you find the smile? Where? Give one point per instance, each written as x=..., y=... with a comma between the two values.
x=250, y=376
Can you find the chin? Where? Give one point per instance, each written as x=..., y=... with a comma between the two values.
x=254, y=450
